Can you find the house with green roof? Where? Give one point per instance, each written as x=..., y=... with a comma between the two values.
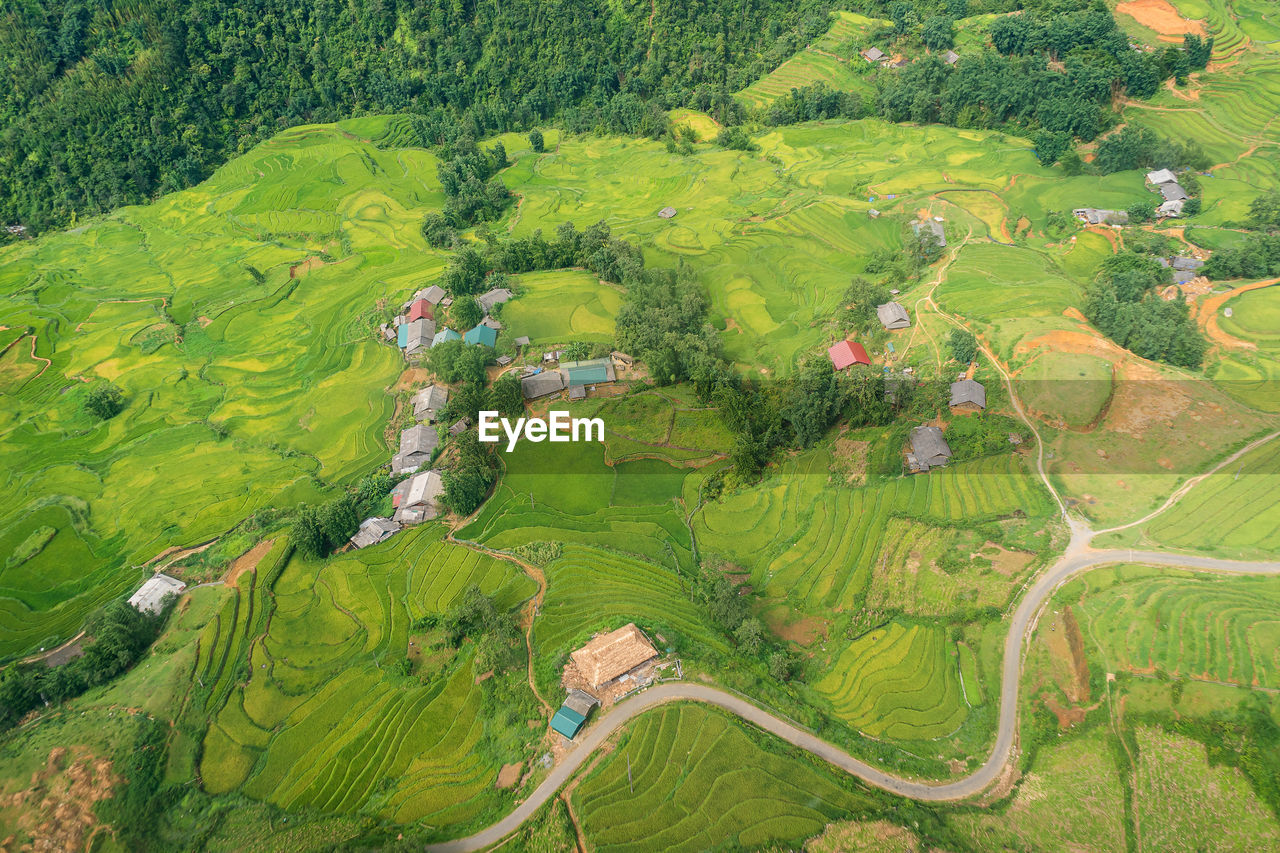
x=588, y=372
x=481, y=335
x=572, y=715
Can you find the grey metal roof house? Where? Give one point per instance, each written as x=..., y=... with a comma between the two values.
x=1173, y=192
x=893, y=316
x=968, y=394
x=432, y=294
x=522, y=341
x=929, y=448
x=459, y=426
x=1101, y=216
x=491, y=323
x=873, y=54
x=1181, y=263
x=417, y=443
x=581, y=701
x=151, y=595
x=417, y=499
x=1161, y=176
x=374, y=530
x=420, y=335
x=950, y=57
x=666, y=213
x=1171, y=208
x=542, y=384
x=493, y=297
x=428, y=401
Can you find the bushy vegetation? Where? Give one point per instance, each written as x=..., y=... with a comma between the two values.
x=469, y=475
x=1125, y=303
x=104, y=401
x=109, y=105
x=1135, y=147
x=1257, y=256
x=115, y=638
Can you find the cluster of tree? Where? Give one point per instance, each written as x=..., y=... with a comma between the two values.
x=117, y=636
x=108, y=104
x=317, y=531
x=104, y=401
x=731, y=612
x=1055, y=73
x=1264, y=212
x=980, y=434
x=472, y=191
x=1134, y=147
x=499, y=643
x=963, y=345
x=1124, y=302
x=470, y=475
x=1257, y=256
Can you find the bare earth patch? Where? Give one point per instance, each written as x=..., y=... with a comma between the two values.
x=509, y=775
x=57, y=810
x=1160, y=16
x=248, y=561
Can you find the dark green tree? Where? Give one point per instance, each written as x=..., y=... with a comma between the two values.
x=938, y=33
x=465, y=312
x=104, y=401
x=963, y=345
x=535, y=141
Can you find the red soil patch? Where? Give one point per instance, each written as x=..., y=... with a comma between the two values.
x=509, y=775
x=1160, y=16
x=414, y=377
x=1207, y=314
x=299, y=270
x=248, y=561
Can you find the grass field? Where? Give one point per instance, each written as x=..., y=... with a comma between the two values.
x=561, y=306
x=1181, y=801
x=1072, y=800
x=1066, y=388
x=321, y=723
x=698, y=781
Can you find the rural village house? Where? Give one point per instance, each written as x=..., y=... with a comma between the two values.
x=613, y=655
x=893, y=316
x=417, y=444
x=968, y=395
x=429, y=401
x=846, y=353
x=417, y=499
x=151, y=596
x=374, y=530
x=928, y=449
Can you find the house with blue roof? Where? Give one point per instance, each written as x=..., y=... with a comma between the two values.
x=445, y=335
x=481, y=335
x=402, y=335
x=589, y=372
x=572, y=715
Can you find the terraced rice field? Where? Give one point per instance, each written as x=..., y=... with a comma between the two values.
x=823, y=61
x=553, y=494
x=1200, y=627
x=248, y=373
x=321, y=724
x=901, y=681
x=815, y=546
x=698, y=781
x=1252, y=375
x=562, y=306
x=591, y=589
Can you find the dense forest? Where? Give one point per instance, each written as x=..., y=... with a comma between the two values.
x=110, y=102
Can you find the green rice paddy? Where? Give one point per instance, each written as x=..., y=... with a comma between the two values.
x=563, y=305
x=321, y=723
x=688, y=778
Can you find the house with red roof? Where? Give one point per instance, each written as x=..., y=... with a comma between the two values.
x=846, y=353
x=421, y=310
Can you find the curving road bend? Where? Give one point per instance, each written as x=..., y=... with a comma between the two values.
x=1078, y=558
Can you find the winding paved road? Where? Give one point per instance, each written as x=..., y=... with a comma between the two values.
x=1078, y=558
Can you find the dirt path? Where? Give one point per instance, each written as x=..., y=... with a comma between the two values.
x=1207, y=314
